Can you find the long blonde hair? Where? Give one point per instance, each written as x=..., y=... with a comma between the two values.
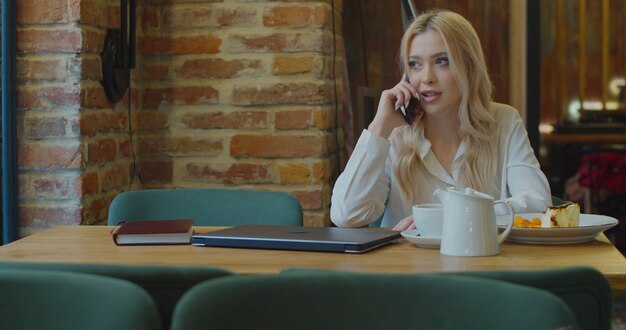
x=467, y=63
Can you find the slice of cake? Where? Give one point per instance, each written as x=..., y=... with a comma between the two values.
x=566, y=215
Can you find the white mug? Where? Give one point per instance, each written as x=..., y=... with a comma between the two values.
x=428, y=219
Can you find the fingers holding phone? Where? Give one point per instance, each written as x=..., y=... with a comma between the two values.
x=411, y=108
x=393, y=107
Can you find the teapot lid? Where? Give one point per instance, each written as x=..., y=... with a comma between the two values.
x=470, y=192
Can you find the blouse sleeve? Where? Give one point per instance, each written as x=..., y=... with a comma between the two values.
x=527, y=185
x=362, y=189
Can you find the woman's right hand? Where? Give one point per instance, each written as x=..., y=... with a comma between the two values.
x=389, y=116
x=405, y=224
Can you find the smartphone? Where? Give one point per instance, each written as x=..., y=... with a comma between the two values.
x=413, y=107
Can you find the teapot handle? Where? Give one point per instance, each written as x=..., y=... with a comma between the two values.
x=506, y=232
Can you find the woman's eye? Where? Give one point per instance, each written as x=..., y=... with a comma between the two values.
x=414, y=65
x=442, y=61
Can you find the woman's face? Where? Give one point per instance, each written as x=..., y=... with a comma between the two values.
x=430, y=73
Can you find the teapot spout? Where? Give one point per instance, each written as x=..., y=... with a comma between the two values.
x=440, y=194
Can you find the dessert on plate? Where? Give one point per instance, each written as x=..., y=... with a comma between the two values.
x=562, y=216
x=566, y=215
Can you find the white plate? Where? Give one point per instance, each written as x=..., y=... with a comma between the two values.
x=414, y=237
x=590, y=226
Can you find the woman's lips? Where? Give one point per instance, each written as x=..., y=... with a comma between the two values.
x=429, y=96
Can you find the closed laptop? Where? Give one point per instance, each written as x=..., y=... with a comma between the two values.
x=327, y=239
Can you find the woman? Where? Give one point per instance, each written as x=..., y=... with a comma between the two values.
x=458, y=136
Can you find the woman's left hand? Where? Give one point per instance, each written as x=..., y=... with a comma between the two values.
x=405, y=224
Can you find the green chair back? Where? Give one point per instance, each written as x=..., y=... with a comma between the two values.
x=165, y=284
x=584, y=289
x=66, y=300
x=208, y=207
x=368, y=301
x=557, y=201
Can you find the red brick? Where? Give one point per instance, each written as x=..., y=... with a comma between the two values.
x=191, y=95
x=92, y=41
x=96, y=210
x=297, y=119
x=156, y=171
x=294, y=93
x=311, y=200
x=101, y=151
x=284, y=65
x=34, y=11
x=241, y=17
x=89, y=125
x=287, y=16
x=322, y=16
x=34, y=216
x=96, y=13
x=154, y=71
x=94, y=97
x=294, y=173
x=41, y=69
x=279, y=42
x=277, y=146
x=126, y=148
x=217, y=68
x=323, y=119
x=229, y=173
x=203, y=44
x=48, y=186
x=89, y=184
x=114, y=177
x=54, y=155
x=149, y=19
x=316, y=219
x=37, y=97
x=39, y=127
x=53, y=40
x=86, y=68
x=187, y=17
x=157, y=145
x=249, y=42
x=152, y=120
x=321, y=171
x=112, y=122
x=235, y=120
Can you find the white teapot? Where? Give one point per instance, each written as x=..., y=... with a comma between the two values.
x=469, y=223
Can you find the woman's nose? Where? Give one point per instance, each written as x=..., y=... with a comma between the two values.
x=429, y=77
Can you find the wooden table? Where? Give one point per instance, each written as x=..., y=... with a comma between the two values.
x=93, y=244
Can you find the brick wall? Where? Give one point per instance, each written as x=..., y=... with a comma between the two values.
x=235, y=94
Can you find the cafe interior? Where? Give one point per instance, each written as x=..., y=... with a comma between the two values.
x=236, y=112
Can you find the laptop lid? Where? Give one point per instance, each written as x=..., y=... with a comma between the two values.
x=329, y=239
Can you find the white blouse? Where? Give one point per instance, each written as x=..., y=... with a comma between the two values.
x=368, y=187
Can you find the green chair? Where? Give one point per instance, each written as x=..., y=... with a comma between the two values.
x=368, y=301
x=557, y=201
x=585, y=290
x=66, y=300
x=208, y=207
x=166, y=284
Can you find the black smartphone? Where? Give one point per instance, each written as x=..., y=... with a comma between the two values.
x=413, y=107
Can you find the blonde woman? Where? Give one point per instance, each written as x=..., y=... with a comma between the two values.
x=457, y=137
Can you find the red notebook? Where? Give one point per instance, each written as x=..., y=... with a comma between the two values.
x=153, y=232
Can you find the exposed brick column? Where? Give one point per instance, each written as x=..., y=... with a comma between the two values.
x=240, y=94
x=73, y=152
